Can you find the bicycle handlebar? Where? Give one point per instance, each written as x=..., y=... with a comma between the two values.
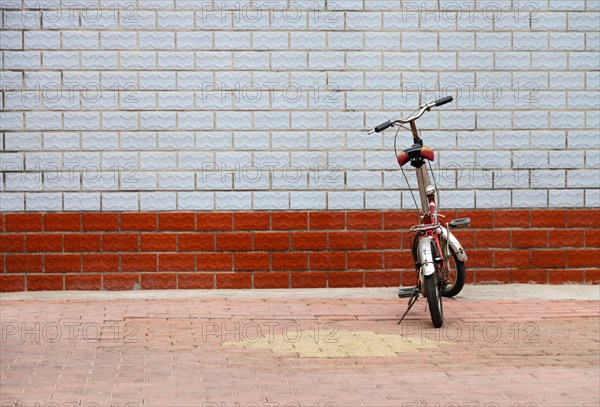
x=444, y=101
x=425, y=108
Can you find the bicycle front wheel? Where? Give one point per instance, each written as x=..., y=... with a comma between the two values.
x=434, y=300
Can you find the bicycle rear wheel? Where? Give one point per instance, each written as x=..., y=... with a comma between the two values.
x=456, y=275
x=434, y=299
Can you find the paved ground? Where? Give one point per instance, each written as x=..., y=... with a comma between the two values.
x=301, y=348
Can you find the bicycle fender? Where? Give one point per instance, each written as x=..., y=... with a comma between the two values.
x=426, y=257
x=454, y=244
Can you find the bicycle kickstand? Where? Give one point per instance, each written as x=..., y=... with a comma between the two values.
x=413, y=299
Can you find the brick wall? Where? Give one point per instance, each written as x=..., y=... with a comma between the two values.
x=186, y=250
x=263, y=105
x=124, y=125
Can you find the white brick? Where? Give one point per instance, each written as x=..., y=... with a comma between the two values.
x=195, y=201
x=158, y=201
x=308, y=200
x=270, y=41
x=566, y=159
x=345, y=200
x=43, y=202
x=80, y=201
x=120, y=201
x=157, y=40
x=233, y=201
x=271, y=201
x=493, y=199
x=12, y=202
x=566, y=198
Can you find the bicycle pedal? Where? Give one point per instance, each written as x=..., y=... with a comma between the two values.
x=460, y=223
x=407, y=292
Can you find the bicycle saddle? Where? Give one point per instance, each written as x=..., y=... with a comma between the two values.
x=417, y=151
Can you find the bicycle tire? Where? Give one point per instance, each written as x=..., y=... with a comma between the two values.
x=452, y=290
x=434, y=300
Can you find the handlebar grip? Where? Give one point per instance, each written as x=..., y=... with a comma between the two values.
x=383, y=126
x=444, y=101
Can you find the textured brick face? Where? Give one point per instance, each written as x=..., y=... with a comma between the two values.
x=245, y=105
x=334, y=251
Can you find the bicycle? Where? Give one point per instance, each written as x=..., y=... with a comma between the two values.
x=438, y=255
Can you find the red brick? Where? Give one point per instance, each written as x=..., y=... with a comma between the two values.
x=88, y=282
x=583, y=218
x=479, y=219
x=289, y=221
x=101, y=222
x=584, y=258
x=327, y=220
x=529, y=238
x=309, y=280
x=194, y=281
x=365, y=260
x=271, y=280
x=566, y=276
x=346, y=240
x=382, y=279
x=492, y=276
x=138, y=221
x=12, y=283
x=511, y=218
x=251, y=221
x=504, y=259
x=467, y=237
x=139, y=262
x=176, y=222
x=309, y=240
x=62, y=222
x=491, y=238
x=255, y=261
x=548, y=258
x=290, y=261
x=2, y=261
x=384, y=240
x=158, y=242
x=338, y=279
x=50, y=282
x=82, y=243
x=566, y=238
x=400, y=219
x=529, y=276
x=207, y=221
x=214, y=261
x=479, y=258
x=12, y=243
x=592, y=238
x=101, y=262
x=268, y=241
x=159, y=281
x=120, y=282
x=364, y=220
x=327, y=261
x=592, y=276
x=60, y=263
x=409, y=278
x=176, y=262
x=44, y=243
x=234, y=280
x=398, y=260
x=548, y=218
x=240, y=241
x=23, y=263
x=120, y=242
x=27, y=222
x=196, y=242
